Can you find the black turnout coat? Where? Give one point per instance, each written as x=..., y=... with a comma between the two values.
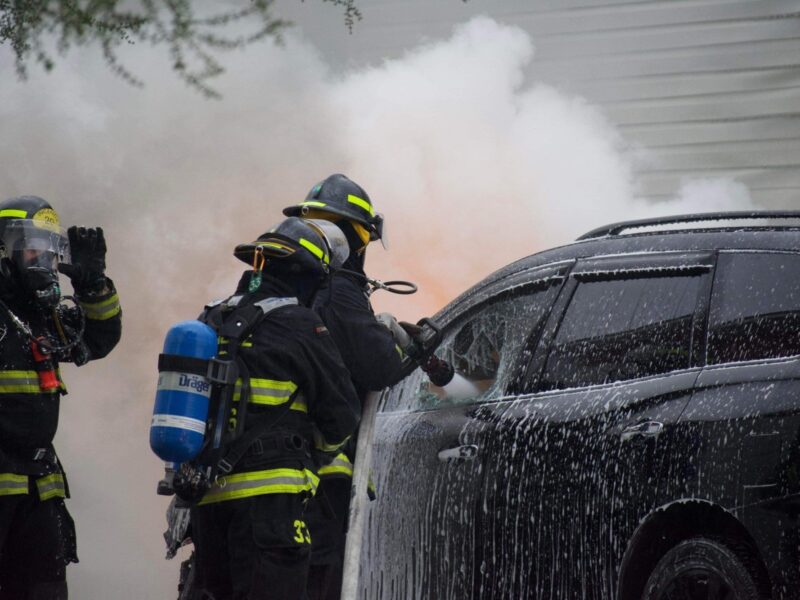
x=29, y=413
x=297, y=375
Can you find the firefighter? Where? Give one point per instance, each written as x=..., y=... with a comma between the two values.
x=249, y=530
x=38, y=330
x=370, y=353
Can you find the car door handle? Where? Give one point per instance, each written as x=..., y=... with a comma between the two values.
x=645, y=429
x=467, y=452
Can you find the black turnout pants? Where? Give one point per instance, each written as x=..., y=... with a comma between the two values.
x=328, y=526
x=37, y=542
x=253, y=548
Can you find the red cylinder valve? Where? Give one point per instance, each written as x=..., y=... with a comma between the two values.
x=48, y=379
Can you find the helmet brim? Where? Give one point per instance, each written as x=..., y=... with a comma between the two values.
x=374, y=225
x=269, y=247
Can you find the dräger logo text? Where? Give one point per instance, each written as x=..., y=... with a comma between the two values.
x=196, y=383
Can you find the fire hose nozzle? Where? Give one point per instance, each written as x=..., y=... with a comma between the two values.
x=439, y=371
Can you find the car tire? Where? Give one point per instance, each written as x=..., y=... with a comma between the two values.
x=701, y=568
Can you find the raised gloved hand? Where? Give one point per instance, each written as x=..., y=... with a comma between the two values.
x=88, y=251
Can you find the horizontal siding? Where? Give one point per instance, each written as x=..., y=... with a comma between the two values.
x=700, y=88
x=643, y=15
x=716, y=107
x=741, y=155
x=695, y=37
x=684, y=60
x=666, y=135
x=687, y=84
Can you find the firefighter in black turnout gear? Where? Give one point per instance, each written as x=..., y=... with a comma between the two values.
x=294, y=405
x=370, y=353
x=37, y=332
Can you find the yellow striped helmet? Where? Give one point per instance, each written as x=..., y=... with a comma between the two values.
x=314, y=245
x=340, y=196
x=33, y=244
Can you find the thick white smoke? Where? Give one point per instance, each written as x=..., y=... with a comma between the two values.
x=472, y=166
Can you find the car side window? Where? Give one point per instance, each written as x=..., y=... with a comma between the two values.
x=483, y=347
x=755, y=307
x=620, y=329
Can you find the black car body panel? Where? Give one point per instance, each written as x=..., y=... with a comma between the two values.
x=618, y=395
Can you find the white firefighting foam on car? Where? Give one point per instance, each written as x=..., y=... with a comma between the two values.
x=472, y=166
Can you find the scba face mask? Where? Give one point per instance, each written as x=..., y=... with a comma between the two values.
x=35, y=247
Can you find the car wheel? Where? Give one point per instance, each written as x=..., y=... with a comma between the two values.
x=700, y=569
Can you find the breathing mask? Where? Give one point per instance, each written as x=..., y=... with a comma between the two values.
x=34, y=248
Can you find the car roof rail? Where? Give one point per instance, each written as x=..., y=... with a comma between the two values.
x=618, y=228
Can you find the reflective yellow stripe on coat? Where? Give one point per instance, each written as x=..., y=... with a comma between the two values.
x=26, y=382
x=13, y=485
x=340, y=465
x=271, y=392
x=256, y=483
x=51, y=486
x=19, y=382
x=103, y=310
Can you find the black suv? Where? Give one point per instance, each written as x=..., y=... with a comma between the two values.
x=624, y=423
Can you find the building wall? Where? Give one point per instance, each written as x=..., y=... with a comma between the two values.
x=710, y=88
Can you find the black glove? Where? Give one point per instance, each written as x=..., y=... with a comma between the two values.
x=322, y=459
x=439, y=371
x=414, y=331
x=88, y=251
x=190, y=483
x=421, y=348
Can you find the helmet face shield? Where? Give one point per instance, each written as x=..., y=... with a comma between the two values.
x=30, y=244
x=379, y=230
x=338, y=247
x=35, y=248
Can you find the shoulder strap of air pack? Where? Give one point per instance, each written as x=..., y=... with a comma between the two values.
x=230, y=320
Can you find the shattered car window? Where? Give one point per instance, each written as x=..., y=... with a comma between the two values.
x=483, y=348
x=755, y=307
x=622, y=329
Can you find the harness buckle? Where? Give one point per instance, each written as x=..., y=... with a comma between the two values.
x=221, y=371
x=224, y=466
x=39, y=453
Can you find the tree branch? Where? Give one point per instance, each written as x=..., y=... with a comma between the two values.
x=192, y=41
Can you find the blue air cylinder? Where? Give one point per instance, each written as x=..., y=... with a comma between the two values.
x=181, y=408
